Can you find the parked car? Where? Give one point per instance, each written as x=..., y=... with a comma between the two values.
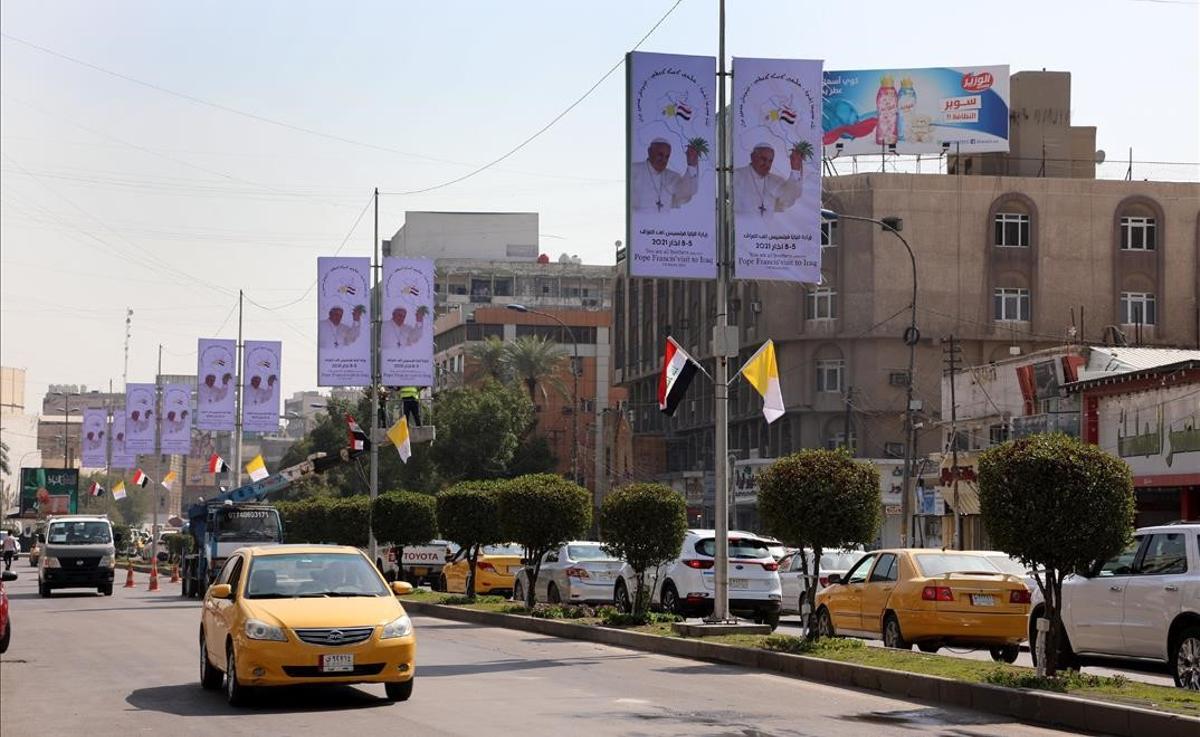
x=421, y=564
x=930, y=598
x=281, y=615
x=685, y=586
x=1142, y=603
x=580, y=572
x=791, y=574
x=495, y=569
x=78, y=553
x=5, y=619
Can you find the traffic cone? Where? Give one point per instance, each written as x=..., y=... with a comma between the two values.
x=153, y=574
x=174, y=573
x=129, y=575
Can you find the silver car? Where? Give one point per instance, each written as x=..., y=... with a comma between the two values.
x=791, y=574
x=580, y=572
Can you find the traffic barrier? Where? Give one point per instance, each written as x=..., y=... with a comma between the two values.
x=153, y=575
x=129, y=576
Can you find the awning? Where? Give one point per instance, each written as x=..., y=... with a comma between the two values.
x=968, y=498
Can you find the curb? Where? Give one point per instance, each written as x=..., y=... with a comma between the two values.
x=1038, y=707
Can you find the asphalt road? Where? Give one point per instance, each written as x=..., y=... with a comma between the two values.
x=127, y=665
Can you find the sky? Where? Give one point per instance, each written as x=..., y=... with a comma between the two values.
x=228, y=144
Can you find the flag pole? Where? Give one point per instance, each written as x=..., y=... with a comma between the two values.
x=373, y=435
x=236, y=472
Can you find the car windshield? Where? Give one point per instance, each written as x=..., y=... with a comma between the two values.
x=777, y=551
x=303, y=575
x=739, y=547
x=937, y=564
x=80, y=533
x=250, y=525
x=505, y=549
x=588, y=552
x=1009, y=565
x=839, y=560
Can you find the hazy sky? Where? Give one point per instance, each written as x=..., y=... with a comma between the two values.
x=117, y=194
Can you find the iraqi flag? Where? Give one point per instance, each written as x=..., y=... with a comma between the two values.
x=217, y=464
x=677, y=372
x=140, y=478
x=358, y=439
x=95, y=489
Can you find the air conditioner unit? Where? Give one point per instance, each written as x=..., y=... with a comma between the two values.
x=898, y=378
x=756, y=306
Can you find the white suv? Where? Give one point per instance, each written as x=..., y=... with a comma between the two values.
x=1143, y=603
x=685, y=585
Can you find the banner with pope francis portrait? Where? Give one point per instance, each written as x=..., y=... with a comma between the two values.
x=216, y=373
x=776, y=119
x=671, y=155
x=344, y=321
x=260, y=385
x=176, y=419
x=122, y=457
x=140, y=417
x=406, y=336
x=93, y=441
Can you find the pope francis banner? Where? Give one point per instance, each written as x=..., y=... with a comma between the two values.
x=406, y=337
x=344, y=327
x=776, y=119
x=140, y=416
x=671, y=155
x=216, y=374
x=260, y=385
x=121, y=456
x=176, y=419
x=93, y=442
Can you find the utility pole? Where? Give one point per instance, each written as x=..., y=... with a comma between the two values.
x=847, y=423
x=128, y=330
x=376, y=380
x=236, y=471
x=158, y=467
x=952, y=351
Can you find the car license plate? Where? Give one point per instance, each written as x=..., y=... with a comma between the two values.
x=337, y=663
x=739, y=583
x=983, y=600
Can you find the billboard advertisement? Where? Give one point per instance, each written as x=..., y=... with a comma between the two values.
x=776, y=163
x=671, y=154
x=140, y=413
x=406, y=336
x=344, y=321
x=260, y=385
x=215, y=372
x=177, y=419
x=916, y=110
x=122, y=457
x=46, y=491
x=93, y=440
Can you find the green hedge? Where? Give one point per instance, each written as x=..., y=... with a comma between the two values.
x=338, y=520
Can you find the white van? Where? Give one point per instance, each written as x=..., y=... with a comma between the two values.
x=78, y=553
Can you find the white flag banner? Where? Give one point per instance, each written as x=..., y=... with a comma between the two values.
x=216, y=368
x=140, y=416
x=93, y=440
x=260, y=385
x=406, y=336
x=176, y=419
x=344, y=321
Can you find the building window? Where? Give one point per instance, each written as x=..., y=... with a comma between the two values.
x=997, y=434
x=893, y=450
x=838, y=440
x=1137, y=234
x=830, y=374
x=1012, y=230
x=1138, y=308
x=503, y=287
x=1011, y=304
x=822, y=303
x=829, y=234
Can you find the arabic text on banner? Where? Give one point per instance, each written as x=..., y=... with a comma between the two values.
x=260, y=385
x=406, y=336
x=343, y=321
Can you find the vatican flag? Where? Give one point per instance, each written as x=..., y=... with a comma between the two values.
x=763, y=374
x=399, y=437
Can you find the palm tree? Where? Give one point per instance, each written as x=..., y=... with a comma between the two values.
x=534, y=360
x=492, y=358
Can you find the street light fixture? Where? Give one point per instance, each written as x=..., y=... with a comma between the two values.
x=574, y=382
x=912, y=335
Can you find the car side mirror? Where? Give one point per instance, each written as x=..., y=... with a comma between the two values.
x=834, y=578
x=401, y=588
x=221, y=591
x=8, y=576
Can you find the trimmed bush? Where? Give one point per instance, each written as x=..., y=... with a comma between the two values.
x=643, y=525
x=540, y=512
x=467, y=515
x=404, y=518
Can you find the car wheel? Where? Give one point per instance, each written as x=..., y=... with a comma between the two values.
x=106, y=590
x=771, y=620
x=622, y=599
x=235, y=693
x=519, y=591
x=7, y=637
x=1185, y=659
x=930, y=647
x=670, y=599
x=825, y=624
x=892, y=636
x=552, y=595
x=1005, y=654
x=401, y=691
x=210, y=677
x=1067, y=660
x=442, y=585
x=43, y=590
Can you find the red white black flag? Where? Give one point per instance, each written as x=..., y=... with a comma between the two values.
x=140, y=478
x=358, y=439
x=677, y=372
x=217, y=464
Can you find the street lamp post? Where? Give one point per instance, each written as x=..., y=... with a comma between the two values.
x=912, y=335
x=574, y=389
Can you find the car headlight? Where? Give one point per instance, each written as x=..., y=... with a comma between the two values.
x=399, y=627
x=258, y=630
x=50, y=562
x=108, y=561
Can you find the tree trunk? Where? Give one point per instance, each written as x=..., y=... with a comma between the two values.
x=810, y=590
x=639, y=596
x=533, y=577
x=472, y=556
x=1053, y=595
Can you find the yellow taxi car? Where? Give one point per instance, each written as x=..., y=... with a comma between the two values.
x=496, y=568
x=290, y=614
x=929, y=598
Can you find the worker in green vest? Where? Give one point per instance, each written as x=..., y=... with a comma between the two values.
x=410, y=397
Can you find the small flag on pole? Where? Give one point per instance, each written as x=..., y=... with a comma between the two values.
x=399, y=437
x=140, y=478
x=168, y=480
x=677, y=372
x=257, y=468
x=217, y=464
x=763, y=374
x=95, y=489
x=119, y=490
x=358, y=438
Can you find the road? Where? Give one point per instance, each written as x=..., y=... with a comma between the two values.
x=126, y=665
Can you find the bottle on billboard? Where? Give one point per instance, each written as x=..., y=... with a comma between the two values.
x=886, y=104
x=908, y=105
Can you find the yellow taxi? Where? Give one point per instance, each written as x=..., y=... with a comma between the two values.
x=289, y=614
x=496, y=568
x=930, y=598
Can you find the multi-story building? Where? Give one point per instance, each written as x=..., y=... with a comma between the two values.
x=19, y=433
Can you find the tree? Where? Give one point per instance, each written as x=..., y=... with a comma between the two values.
x=467, y=515
x=822, y=500
x=643, y=525
x=535, y=360
x=4, y=457
x=491, y=358
x=479, y=429
x=338, y=520
x=404, y=518
x=534, y=455
x=1060, y=506
x=540, y=512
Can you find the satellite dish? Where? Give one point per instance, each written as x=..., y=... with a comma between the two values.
x=1100, y=156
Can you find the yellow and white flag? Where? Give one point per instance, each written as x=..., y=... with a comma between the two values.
x=119, y=490
x=257, y=468
x=168, y=480
x=763, y=374
x=398, y=434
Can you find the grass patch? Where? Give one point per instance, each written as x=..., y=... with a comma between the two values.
x=613, y=618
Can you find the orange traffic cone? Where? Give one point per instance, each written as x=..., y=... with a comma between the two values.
x=153, y=574
x=174, y=573
x=129, y=576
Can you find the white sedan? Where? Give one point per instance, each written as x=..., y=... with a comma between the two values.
x=580, y=572
x=791, y=575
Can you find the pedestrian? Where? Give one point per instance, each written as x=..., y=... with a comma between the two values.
x=9, y=546
x=410, y=396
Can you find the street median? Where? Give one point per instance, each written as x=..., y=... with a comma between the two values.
x=1028, y=705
